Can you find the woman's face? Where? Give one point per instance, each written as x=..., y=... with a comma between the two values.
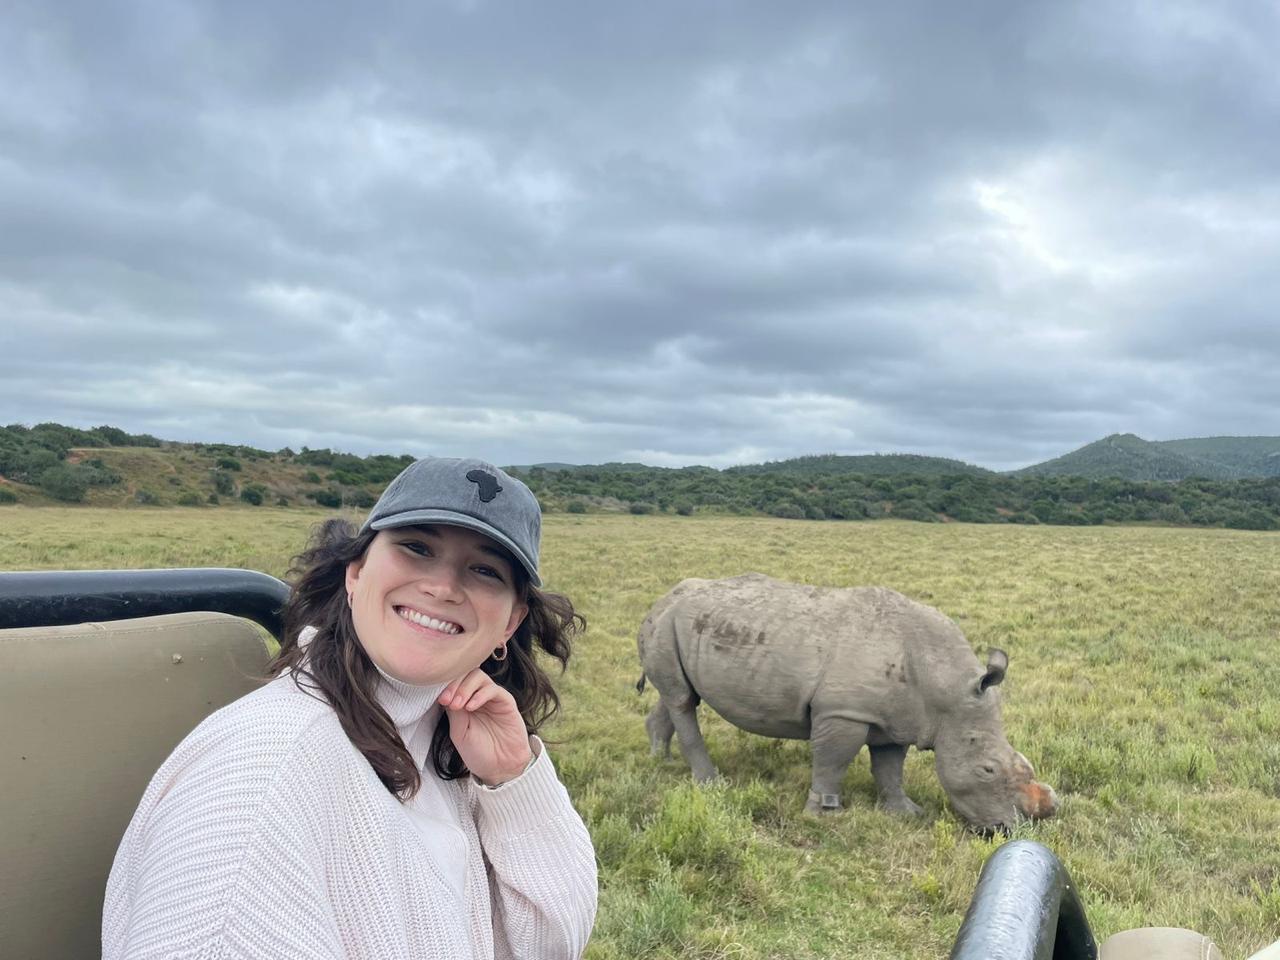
x=431, y=603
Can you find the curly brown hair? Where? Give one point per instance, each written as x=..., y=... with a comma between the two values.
x=335, y=665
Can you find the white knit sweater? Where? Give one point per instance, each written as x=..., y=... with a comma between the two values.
x=267, y=834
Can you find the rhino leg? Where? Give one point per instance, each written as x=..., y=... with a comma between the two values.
x=685, y=720
x=835, y=742
x=661, y=730
x=886, y=768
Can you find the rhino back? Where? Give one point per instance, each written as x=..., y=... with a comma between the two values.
x=769, y=655
x=766, y=653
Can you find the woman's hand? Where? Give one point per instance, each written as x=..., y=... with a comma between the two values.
x=486, y=728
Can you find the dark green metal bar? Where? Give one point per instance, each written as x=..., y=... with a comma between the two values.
x=1025, y=907
x=59, y=597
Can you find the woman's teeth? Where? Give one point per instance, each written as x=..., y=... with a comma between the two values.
x=413, y=616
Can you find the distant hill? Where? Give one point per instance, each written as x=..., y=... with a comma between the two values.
x=871, y=465
x=612, y=466
x=1253, y=456
x=526, y=467
x=1129, y=457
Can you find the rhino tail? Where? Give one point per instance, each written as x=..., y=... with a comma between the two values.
x=640, y=684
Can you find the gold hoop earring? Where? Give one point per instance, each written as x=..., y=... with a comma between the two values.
x=500, y=650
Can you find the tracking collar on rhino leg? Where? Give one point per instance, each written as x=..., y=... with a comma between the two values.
x=826, y=801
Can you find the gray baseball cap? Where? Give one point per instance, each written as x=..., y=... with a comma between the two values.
x=464, y=493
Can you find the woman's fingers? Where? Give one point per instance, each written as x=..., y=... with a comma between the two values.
x=482, y=696
x=475, y=690
x=486, y=727
x=460, y=691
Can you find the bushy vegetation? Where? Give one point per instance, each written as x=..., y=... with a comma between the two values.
x=828, y=487
x=349, y=470
x=52, y=461
x=877, y=464
x=38, y=456
x=970, y=498
x=253, y=494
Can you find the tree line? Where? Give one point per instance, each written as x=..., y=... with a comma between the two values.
x=969, y=498
x=38, y=456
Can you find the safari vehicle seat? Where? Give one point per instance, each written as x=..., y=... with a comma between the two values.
x=89, y=711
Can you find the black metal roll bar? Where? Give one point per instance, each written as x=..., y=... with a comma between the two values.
x=60, y=597
x=1025, y=907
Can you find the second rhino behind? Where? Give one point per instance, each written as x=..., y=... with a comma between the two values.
x=840, y=667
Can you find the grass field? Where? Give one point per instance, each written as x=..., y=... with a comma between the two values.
x=1144, y=684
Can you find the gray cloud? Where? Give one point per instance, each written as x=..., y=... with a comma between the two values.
x=569, y=231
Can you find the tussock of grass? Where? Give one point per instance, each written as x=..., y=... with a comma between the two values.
x=1144, y=684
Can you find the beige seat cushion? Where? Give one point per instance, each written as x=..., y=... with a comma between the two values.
x=88, y=714
x=1158, y=943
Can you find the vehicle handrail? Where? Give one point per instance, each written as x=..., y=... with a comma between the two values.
x=59, y=597
x=1025, y=907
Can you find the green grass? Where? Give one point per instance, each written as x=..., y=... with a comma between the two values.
x=1144, y=684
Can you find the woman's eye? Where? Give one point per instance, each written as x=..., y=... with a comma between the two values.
x=416, y=546
x=487, y=572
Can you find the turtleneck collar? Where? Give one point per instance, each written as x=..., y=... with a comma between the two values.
x=407, y=704
x=412, y=708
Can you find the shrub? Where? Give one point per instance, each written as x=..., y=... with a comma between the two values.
x=253, y=494
x=684, y=508
x=224, y=483
x=788, y=511
x=576, y=506
x=360, y=498
x=913, y=510
x=146, y=498
x=113, y=436
x=1254, y=518
x=190, y=499
x=213, y=499
x=63, y=483
x=228, y=463
x=312, y=477
x=639, y=507
x=8, y=496
x=326, y=498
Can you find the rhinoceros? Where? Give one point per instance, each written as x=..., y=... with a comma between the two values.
x=840, y=667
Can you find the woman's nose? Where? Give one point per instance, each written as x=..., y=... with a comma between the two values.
x=442, y=581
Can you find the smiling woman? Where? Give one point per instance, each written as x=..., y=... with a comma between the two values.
x=385, y=795
x=433, y=601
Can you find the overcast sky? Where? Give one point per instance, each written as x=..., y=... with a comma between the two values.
x=668, y=232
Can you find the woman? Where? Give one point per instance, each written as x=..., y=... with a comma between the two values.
x=384, y=796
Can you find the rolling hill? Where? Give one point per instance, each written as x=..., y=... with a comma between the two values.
x=1253, y=456
x=871, y=465
x=1130, y=457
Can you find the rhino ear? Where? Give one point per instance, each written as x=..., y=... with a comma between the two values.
x=997, y=664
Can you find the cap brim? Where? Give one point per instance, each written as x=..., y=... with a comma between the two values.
x=451, y=518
